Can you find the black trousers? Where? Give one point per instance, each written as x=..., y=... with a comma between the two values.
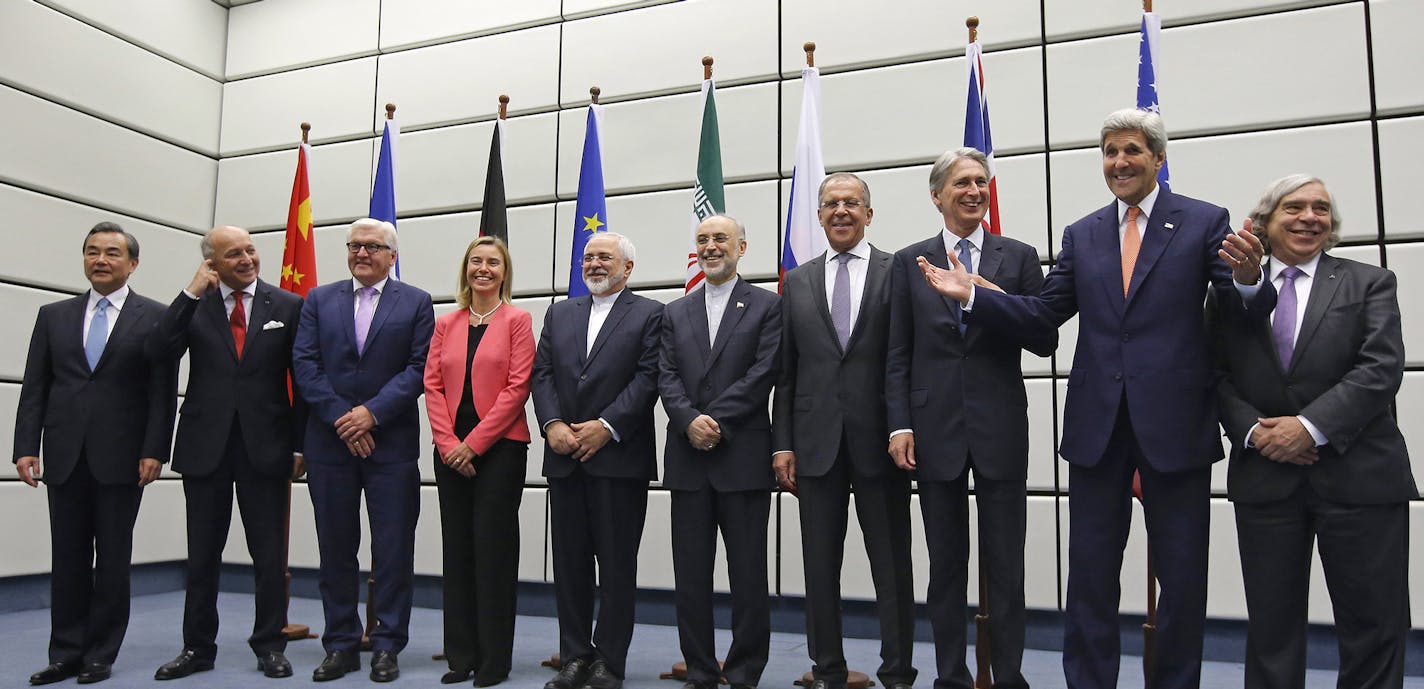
x=1364, y=550
x=262, y=501
x=479, y=528
x=1001, y=507
x=596, y=519
x=882, y=506
x=91, y=540
x=742, y=518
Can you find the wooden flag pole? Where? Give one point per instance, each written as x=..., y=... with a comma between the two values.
x=810, y=48
x=390, y=111
x=984, y=668
x=371, y=580
x=707, y=67
x=293, y=632
x=1146, y=5
x=306, y=129
x=503, y=106
x=593, y=94
x=973, y=24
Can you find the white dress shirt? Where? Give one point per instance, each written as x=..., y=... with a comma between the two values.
x=976, y=246
x=356, y=288
x=716, y=298
x=856, y=267
x=116, y=304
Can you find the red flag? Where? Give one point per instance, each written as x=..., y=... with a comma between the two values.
x=299, y=255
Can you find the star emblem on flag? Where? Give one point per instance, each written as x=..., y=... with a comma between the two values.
x=592, y=223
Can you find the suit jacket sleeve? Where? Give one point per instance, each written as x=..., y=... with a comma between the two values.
x=784, y=399
x=1032, y=317
x=1040, y=341
x=676, y=401
x=541, y=379
x=509, y=403
x=628, y=412
x=162, y=394
x=747, y=396
x=34, y=391
x=900, y=346
x=1237, y=414
x=404, y=387
x=442, y=427
x=169, y=340
x=1369, y=387
x=308, y=368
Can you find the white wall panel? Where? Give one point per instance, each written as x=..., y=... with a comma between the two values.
x=420, y=22
x=574, y=9
x=58, y=150
x=1044, y=576
x=912, y=113
x=432, y=250
x=190, y=33
x=1069, y=18
x=1202, y=85
x=1394, y=32
x=160, y=533
x=1409, y=408
x=659, y=49
x=27, y=550
x=107, y=76
x=263, y=113
x=660, y=225
x=462, y=81
x=1401, y=161
x=9, y=402
x=255, y=191
x=1042, y=447
x=444, y=169
x=653, y=143
x=270, y=36
x=1416, y=563
x=21, y=305
x=846, y=35
x=655, y=551
x=1405, y=260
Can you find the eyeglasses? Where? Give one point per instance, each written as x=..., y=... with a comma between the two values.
x=850, y=204
x=600, y=258
x=371, y=248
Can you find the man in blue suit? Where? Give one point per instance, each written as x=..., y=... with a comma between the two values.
x=594, y=382
x=1140, y=396
x=720, y=357
x=359, y=361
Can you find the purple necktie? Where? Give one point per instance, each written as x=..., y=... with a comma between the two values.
x=840, y=300
x=1283, y=327
x=365, y=308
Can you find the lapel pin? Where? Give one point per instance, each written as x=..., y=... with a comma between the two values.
x=740, y=305
x=1169, y=226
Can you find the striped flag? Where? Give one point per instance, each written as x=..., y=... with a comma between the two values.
x=494, y=218
x=708, y=195
x=976, y=128
x=299, y=252
x=1148, y=57
x=804, y=238
x=383, y=190
x=590, y=211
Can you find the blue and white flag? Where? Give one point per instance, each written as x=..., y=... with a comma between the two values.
x=804, y=237
x=1148, y=57
x=591, y=211
x=976, y=128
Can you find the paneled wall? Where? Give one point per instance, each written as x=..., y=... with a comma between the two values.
x=180, y=114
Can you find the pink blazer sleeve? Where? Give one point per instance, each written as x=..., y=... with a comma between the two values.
x=500, y=380
x=438, y=407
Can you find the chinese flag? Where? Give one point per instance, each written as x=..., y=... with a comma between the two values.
x=299, y=256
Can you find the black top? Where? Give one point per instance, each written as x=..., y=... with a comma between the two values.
x=466, y=418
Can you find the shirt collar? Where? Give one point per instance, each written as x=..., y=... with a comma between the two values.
x=1308, y=267
x=951, y=240
x=860, y=250
x=356, y=286
x=1145, y=205
x=722, y=290
x=116, y=297
x=250, y=290
x=606, y=300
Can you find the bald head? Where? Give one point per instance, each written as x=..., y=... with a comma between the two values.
x=232, y=255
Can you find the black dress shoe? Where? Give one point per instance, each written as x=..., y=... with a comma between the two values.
x=572, y=676
x=274, y=664
x=489, y=681
x=694, y=684
x=456, y=676
x=56, y=672
x=336, y=665
x=901, y=685
x=602, y=678
x=384, y=667
x=94, y=672
x=185, y=664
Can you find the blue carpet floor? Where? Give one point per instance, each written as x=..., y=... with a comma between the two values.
x=154, y=638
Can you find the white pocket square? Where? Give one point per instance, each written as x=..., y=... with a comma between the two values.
x=273, y=325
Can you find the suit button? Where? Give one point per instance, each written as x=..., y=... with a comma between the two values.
x=1117, y=376
x=1126, y=337
x=583, y=377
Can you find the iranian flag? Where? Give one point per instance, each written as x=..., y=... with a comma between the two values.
x=708, y=197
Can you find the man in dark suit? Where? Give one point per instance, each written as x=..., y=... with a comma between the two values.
x=829, y=422
x=1140, y=396
x=237, y=427
x=956, y=401
x=103, y=414
x=594, y=384
x=1316, y=453
x=719, y=360
x=359, y=361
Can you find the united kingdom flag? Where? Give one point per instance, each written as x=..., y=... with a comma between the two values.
x=976, y=128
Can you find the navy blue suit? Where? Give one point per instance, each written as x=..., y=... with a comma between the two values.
x=1141, y=396
x=597, y=507
x=388, y=378
x=729, y=486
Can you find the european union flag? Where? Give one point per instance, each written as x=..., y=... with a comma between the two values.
x=383, y=190
x=591, y=212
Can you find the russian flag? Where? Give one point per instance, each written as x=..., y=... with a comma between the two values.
x=804, y=237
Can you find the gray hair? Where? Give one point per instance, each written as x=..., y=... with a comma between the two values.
x=1135, y=120
x=107, y=226
x=372, y=224
x=625, y=245
x=741, y=229
x=940, y=172
x=1271, y=198
x=842, y=176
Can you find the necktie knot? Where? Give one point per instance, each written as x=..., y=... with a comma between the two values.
x=103, y=304
x=1291, y=273
x=1133, y=214
x=844, y=257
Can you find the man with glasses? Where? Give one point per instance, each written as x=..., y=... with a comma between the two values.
x=359, y=361
x=829, y=415
x=594, y=385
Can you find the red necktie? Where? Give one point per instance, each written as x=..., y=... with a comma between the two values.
x=238, y=322
x=1131, y=244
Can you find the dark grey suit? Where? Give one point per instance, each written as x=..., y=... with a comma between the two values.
x=1347, y=365
x=829, y=409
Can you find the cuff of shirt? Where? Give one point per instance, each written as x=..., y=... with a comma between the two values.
x=969, y=305
x=190, y=295
x=1315, y=433
x=1249, y=291
x=900, y=431
x=611, y=432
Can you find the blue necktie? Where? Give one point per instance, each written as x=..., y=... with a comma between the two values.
x=98, y=333
x=968, y=264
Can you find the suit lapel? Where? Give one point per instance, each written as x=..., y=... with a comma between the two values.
x=132, y=311
x=389, y=298
x=1323, y=286
x=215, y=310
x=731, y=317
x=257, y=315
x=616, y=314
x=991, y=259
x=1105, y=246
x=817, y=276
x=347, y=311
x=74, y=317
x=875, y=285
x=934, y=253
x=701, y=329
x=1161, y=229
x=583, y=306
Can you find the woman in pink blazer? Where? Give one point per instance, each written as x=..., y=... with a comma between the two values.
x=476, y=384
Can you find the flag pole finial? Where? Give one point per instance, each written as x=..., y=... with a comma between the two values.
x=306, y=129
x=503, y=106
x=810, y=48
x=1146, y=5
x=707, y=67
x=390, y=111
x=593, y=93
x=973, y=24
